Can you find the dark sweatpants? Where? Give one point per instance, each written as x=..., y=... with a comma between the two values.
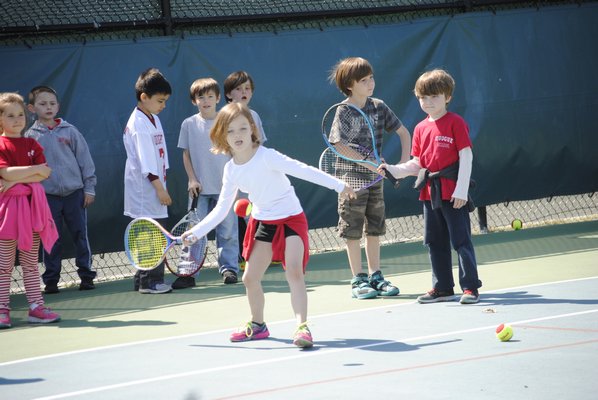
x=70, y=210
x=446, y=227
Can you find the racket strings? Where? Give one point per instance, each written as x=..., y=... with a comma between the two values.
x=356, y=176
x=350, y=133
x=190, y=258
x=180, y=228
x=360, y=171
x=146, y=244
x=350, y=127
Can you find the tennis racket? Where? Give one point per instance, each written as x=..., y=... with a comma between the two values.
x=147, y=242
x=349, y=133
x=342, y=169
x=188, y=260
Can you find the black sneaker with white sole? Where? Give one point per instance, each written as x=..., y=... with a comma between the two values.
x=51, y=288
x=86, y=284
x=435, y=296
x=229, y=277
x=470, y=296
x=183, y=282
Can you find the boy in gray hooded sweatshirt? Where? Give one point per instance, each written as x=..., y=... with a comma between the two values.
x=70, y=189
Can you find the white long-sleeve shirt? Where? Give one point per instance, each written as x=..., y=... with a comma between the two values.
x=264, y=178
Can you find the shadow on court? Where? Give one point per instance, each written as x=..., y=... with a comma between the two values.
x=522, y=298
x=4, y=381
x=80, y=323
x=377, y=345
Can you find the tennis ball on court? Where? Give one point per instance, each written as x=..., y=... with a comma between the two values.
x=504, y=333
x=242, y=208
x=516, y=224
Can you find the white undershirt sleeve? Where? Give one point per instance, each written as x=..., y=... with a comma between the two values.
x=464, y=175
x=408, y=168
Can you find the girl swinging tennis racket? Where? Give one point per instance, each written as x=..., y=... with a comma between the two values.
x=277, y=228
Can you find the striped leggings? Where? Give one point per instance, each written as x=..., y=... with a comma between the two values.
x=29, y=266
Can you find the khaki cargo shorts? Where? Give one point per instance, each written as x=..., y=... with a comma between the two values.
x=366, y=211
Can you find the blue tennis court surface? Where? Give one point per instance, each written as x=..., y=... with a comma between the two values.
x=420, y=351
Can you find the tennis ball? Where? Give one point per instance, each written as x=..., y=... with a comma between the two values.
x=516, y=224
x=242, y=208
x=504, y=333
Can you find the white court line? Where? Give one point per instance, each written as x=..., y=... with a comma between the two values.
x=190, y=335
x=561, y=253
x=300, y=355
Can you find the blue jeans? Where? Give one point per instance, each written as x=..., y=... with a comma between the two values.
x=443, y=228
x=70, y=210
x=227, y=237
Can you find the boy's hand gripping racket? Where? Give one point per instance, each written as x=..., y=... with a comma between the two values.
x=334, y=165
x=189, y=259
x=349, y=135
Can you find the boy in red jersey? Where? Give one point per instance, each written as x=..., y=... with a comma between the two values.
x=442, y=162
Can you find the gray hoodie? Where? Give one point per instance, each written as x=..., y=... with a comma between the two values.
x=67, y=153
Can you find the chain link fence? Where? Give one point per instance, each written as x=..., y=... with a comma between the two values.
x=533, y=213
x=39, y=22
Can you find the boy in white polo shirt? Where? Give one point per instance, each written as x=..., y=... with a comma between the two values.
x=145, y=170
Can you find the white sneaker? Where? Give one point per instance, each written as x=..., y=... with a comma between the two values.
x=157, y=288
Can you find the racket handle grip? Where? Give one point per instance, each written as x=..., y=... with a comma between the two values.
x=194, y=202
x=395, y=182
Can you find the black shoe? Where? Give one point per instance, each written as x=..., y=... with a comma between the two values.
x=86, y=284
x=229, y=277
x=434, y=296
x=51, y=288
x=183, y=282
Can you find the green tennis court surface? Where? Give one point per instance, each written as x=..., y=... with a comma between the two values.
x=114, y=343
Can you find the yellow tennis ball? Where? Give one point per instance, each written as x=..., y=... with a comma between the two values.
x=516, y=224
x=504, y=333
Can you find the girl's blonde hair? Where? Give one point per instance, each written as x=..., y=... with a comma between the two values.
x=10, y=98
x=219, y=131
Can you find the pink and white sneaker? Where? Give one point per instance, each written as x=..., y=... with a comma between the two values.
x=303, y=337
x=5, y=318
x=42, y=315
x=251, y=331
